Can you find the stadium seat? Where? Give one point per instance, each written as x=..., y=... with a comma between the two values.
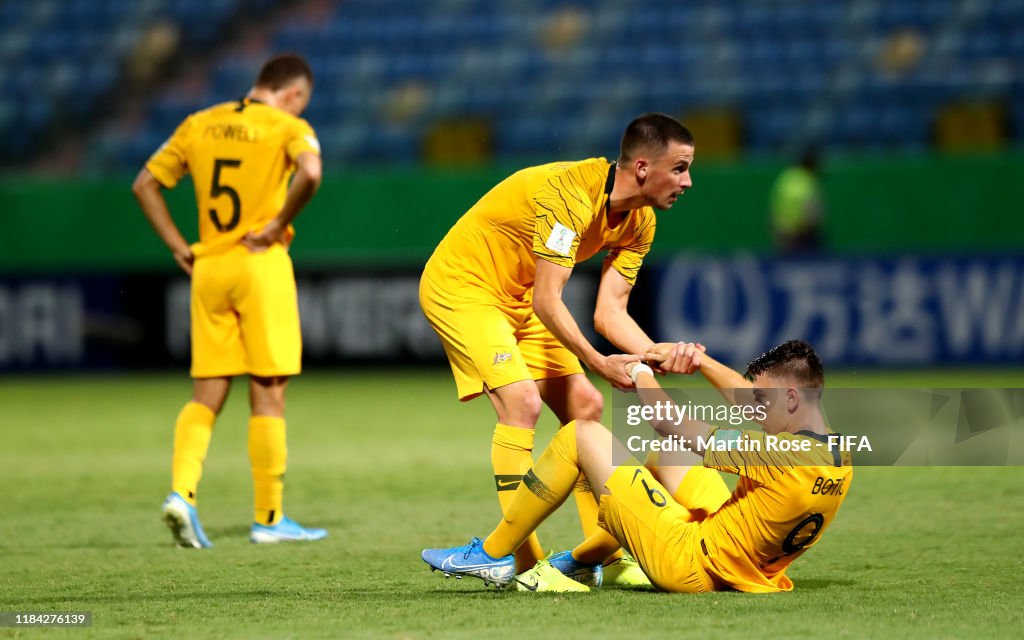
x=787, y=69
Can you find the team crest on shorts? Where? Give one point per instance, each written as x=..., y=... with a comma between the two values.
x=499, y=358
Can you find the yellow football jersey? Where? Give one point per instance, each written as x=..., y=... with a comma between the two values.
x=556, y=212
x=783, y=502
x=241, y=156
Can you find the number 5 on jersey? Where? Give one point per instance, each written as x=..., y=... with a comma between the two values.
x=217, y=189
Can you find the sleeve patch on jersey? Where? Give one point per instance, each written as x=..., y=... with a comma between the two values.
x=313, y=142
x=560, y=240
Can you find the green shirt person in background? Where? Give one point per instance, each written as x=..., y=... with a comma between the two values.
x=797, y=207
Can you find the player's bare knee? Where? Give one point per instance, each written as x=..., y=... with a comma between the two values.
x=211, y=392
x=527, y=410
x=518, y=405
x=213, y=402
x=266, y=395
x=589, y=402
x=212, y=405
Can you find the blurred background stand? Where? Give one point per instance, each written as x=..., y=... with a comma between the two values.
x=421, y=107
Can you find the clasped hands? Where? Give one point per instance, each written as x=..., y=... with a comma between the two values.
x=671, y=357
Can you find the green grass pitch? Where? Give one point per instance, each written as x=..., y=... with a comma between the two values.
x=390, y=463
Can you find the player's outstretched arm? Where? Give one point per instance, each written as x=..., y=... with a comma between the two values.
x=670, y=423
x=148, y=192
x=304, y=185
x=611, y=313
x=612, y=320
x=721, y=376
x=549, y=307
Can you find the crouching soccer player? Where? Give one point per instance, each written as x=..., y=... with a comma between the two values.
x=687, y=531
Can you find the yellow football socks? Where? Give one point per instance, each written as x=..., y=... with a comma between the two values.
x=544, y=488
x=511, y=457
x=598, y=545
x=268, y=455
x=586, y=505
x=192, y=432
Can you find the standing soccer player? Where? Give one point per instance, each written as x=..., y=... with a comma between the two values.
x=492, y=291
x=244, y=310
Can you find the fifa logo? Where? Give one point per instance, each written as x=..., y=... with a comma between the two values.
x=502, y=357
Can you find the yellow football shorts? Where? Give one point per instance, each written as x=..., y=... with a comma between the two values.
x=245, y=314
x=489, y=343
x=661, y=534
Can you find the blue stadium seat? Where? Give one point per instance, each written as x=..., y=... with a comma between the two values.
x=777, y=62
x=67, y=55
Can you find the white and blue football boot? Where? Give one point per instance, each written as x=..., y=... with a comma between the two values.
x=286, y=530
x=183, y=521
x=472, y=560
x=588, y=574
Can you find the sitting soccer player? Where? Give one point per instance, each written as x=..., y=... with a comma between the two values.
x=687, y=531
